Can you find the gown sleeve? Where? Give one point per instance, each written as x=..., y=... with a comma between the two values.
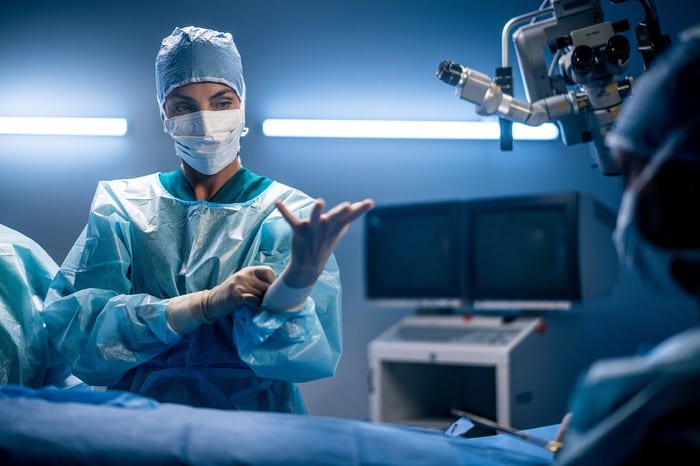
x=92, y=318
x=300, y=345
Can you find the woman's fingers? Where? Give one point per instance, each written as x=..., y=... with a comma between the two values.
x=341, y=214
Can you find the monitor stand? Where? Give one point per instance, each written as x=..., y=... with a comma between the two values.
x=512, y=370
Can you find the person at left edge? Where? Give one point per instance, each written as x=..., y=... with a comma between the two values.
x=26, y=356
x=210, y=285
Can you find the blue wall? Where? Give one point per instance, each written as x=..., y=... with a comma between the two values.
x=304, y=58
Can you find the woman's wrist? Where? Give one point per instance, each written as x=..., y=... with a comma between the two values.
x=300, y=277
x=283, y=297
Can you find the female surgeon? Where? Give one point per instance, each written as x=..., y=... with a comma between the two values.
x=211, y=285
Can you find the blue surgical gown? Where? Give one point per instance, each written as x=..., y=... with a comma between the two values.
x=26, y=271
x=106, y=311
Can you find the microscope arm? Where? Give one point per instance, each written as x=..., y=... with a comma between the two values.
x=477, y=88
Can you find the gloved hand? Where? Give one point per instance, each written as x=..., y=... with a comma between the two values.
x=245, y=287
x=315, y=238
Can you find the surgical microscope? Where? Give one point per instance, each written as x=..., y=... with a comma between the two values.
x=581, y=89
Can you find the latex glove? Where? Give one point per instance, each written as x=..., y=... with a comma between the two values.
x=245, y=287
x=315, y=238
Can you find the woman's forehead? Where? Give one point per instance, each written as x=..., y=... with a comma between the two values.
x=201, y=90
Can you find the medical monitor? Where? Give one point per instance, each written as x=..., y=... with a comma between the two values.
x=536, y=251
x=522, y=249
x=414, y=255
x=532, y=252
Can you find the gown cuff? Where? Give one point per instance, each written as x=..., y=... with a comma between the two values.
x=281, y=297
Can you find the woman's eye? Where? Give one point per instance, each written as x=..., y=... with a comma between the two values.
x=183, y=109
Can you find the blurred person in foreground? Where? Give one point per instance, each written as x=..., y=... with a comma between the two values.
x=646, y=409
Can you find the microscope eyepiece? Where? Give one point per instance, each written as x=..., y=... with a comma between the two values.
x=449, y=72
x=617, y=49
x=583, y=59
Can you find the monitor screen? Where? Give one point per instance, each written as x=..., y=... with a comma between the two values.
x=497, y=254
x=523, y=248
x=413, y=252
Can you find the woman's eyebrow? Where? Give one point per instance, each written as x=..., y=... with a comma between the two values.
x=176, y=95
x=222, y=93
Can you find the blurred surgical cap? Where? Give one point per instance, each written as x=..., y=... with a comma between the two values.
x=664, y=100
x=191, y=54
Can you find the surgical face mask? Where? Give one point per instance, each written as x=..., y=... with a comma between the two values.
x=651, y=262
x=207, y=141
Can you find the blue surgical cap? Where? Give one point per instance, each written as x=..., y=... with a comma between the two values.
x=192, y=54
x=665, y=100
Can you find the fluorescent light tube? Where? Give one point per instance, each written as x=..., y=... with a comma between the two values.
x=394, y=129
x=67, y=126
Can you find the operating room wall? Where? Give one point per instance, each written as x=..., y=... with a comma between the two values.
x=364, y=59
